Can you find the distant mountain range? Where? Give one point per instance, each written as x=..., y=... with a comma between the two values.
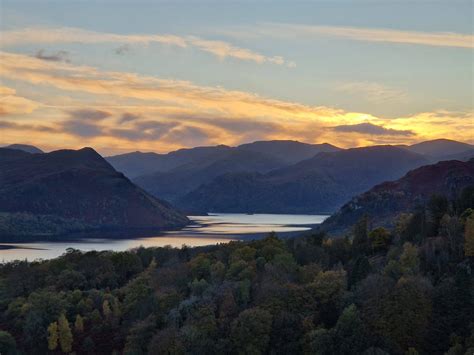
x=384, y=202
x=286, y=152
x=274, y=176
x=317, y=185
x=441, y=148
x=51, y=193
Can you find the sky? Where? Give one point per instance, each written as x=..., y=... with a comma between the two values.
x=157, y=76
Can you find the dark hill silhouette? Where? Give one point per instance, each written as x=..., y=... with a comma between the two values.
x=440, y=148
x=287, y=152
x=81, y=186
x=317, y=185
x=384, y=202
x=25, y=147
x=137, y=163
x=174, y=184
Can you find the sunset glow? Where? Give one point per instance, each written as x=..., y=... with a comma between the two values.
x=156, y=86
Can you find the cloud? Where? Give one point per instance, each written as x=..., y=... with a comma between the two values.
x=128, y=117
x=220, y=49
x=59, y=56
x=12, y=104
x=373, y=92
x=192, y=135
x=82, y=129
x=286, y=30
x=123, y=49
x=89, y=114
x=128, y=85
x=27, y=127
x=372, y=129
x=127, y=110
x=223, y=49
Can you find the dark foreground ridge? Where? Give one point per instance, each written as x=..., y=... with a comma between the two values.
x=67, y=190
x=387, y=201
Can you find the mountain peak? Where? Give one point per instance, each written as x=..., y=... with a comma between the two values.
x=25, y=147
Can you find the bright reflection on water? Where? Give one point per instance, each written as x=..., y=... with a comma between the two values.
x=204, y=230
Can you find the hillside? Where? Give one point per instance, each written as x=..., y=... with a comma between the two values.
x=317, y=185
x=440, y=148
x=174, y=184
x=77, y=186
x=386, y=201
x=287, y=152
x=137, y=163
x=25, y=147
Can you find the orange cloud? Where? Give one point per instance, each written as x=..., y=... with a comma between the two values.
x=117, y=110
x=11, y=104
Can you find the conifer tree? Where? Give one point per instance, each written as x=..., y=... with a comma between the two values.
x=65, y=334
x=53, y=336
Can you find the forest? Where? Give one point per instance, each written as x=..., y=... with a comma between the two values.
x=374, y=291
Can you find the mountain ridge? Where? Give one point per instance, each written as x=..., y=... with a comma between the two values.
x=385, y=201
x=82, y=186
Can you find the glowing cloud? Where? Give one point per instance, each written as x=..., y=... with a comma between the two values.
x=117, y=111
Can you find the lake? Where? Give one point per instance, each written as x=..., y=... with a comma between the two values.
x=203, y=230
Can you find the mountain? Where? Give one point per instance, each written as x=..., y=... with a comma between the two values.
x=25, y=147
x=176, y=183
x=77, y=186
x=439, y=148
x=137, y=163
x=317, y=185
x=384, y=202
x=463, y=156
x=287, y=151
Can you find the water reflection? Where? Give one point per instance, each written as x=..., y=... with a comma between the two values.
x=204, y=230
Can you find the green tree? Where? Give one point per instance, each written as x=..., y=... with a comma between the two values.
x=106, y=310
x=380, y=239
x=65, y=334
x=7, y=343
x=53, y=336
x=139, y=336
x=409, y=260
x=79, y=324
x=360, y=239
x=360, y=269
x=469, y=237
x=250, y=332
x=437, y=207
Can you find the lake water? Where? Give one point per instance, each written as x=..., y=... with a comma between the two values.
x=204, y=230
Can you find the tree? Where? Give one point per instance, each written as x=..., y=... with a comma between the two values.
x=437, y=207
x=7, y=343
x=359, y=271
x=380, y=239
x=409, y=260
x=106, y=310
x=79, y=324
x=350, y=335
x=250, y=332
x=53, y=336
x=469, y=237
x=139, y=336
x=65, y=334
x=360, y=240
